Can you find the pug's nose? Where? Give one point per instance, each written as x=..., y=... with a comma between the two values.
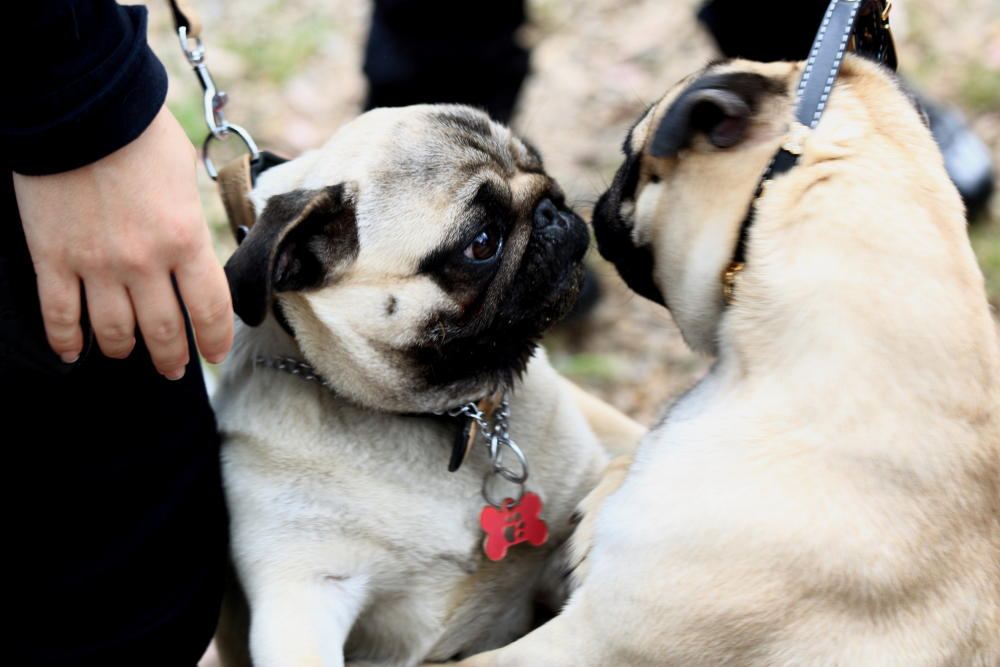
x=546, y=213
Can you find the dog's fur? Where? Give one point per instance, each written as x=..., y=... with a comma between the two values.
x=349, y=535
x=829, y=494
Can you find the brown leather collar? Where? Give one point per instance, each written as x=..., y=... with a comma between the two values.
x=235, y=181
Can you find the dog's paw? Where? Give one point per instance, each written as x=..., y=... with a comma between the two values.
x=576, y=550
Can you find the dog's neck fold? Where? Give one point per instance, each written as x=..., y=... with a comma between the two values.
x=860, y=254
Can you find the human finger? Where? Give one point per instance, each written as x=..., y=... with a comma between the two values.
x=59, y=296
x=161, y=323
x=111, y=316
x=205, y=290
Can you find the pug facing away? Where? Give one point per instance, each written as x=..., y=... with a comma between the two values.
x=828, y=495
x=403, y=270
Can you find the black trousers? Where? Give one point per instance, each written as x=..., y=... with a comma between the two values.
x=119, y=527
x=781, y=30
x=428, y=51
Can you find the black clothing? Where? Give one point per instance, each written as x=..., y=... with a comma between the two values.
x=119, y=534
x=85, y=84
x=764, y=32
x=430, y=51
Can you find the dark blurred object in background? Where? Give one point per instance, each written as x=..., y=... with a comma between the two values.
x=785, y=31
x=429, y=51
x=966, y=159
x=764, y=32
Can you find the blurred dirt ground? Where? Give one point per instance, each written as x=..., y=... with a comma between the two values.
x=292, y=69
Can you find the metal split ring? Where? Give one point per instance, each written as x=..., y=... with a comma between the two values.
x=491, y=501
x=496, y=456
x=241, y=133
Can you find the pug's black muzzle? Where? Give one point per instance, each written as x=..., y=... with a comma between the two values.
x=492, y=347
x=553, y=263
x=614, y=242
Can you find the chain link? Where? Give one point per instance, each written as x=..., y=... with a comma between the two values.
x=470, y=410
x=293, y=366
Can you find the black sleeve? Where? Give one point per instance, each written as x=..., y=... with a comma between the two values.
x=79, y=83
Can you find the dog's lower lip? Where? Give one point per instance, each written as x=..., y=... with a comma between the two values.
x=572, y=273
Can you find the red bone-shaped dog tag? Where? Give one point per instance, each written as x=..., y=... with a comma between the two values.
x=513, y=524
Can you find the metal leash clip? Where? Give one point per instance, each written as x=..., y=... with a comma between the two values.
x=215, y=100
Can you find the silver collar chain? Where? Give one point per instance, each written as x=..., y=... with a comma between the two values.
x=496, y=438
x=289, y=365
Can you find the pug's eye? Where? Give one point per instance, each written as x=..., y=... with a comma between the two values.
x=485, y=246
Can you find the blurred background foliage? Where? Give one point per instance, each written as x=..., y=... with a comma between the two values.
x=292, y=69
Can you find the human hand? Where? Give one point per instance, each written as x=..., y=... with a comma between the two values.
x=123, y=225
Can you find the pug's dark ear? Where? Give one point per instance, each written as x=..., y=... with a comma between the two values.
x=720, y=106
x=299, y=242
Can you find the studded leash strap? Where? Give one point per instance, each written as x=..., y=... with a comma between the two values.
x=859, y=25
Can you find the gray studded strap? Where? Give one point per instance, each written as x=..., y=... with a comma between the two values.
x=827, y=53
x=824, y=60
x=822, y=66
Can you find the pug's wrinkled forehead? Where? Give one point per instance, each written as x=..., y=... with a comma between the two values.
x=417, y=256
x=418, y=178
